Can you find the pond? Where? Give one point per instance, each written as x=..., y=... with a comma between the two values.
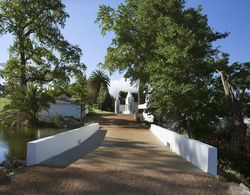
x=13, y=143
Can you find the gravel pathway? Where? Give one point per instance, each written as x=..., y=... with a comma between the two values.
x=125, y=159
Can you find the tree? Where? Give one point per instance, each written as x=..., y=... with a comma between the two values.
x=97, y=79
x=170, y=47
x=26, y=104
x=101, y=96
x=235, y=80
x=39, y=52
x=80, y=89
x=133, y=45
x=57, y=88
x=109, y=103
x=183, y=69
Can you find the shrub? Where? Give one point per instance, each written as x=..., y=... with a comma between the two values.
x=230, y=157
x=24, y=105
x=58, y=121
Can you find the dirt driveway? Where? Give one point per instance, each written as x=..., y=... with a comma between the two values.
x=122, y=158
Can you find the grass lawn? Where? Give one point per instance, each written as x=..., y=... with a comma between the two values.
x=3, y=102
x=99, y=112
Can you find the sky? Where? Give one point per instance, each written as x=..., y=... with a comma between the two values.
x=223, y=16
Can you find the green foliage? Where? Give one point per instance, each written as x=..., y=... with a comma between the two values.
x=235, y=81
x=58, y=121
x=25, y=105
x=101, y=96
x=39, y=52
x=234, y=176
x=96, y=111
x=80, y=88
x=3, y=102
x=109, y=103
x=233, y=158
x=170, y=47
x=182, y=70
x=133, y=46
x=97, y=79
x=248, y=132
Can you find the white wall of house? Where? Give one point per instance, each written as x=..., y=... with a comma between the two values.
x=63, y=108
x=121, y=108
x=135, y=107
x=130, y=106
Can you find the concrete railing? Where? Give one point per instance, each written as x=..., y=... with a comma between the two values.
x=45, y=148
x=199, y=154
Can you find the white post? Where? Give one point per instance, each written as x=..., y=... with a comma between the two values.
x=129, y=100
x=117, y=105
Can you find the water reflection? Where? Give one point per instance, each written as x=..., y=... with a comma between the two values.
x=3, y=150
x=13, y=143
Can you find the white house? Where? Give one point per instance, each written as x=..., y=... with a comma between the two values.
x=64, y=107
x=129, y=105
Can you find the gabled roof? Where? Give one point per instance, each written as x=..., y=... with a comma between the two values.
x=65, y=98
x=122, y=100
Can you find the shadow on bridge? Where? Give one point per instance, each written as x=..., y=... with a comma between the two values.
x=70, y=156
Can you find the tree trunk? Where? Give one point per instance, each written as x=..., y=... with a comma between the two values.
x=238, y=132
x=238, y=127
x=23, y=81
x=82, y=109
x=141, y=95
x=23, y=70
x=33, y=120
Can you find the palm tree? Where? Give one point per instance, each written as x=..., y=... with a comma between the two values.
x=97, y=79
x=25, y=105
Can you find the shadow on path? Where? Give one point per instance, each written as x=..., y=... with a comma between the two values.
x=70, y=156
x=130, y=160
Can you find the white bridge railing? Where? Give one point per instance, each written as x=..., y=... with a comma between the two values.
x=45, y=148
x=199, y=154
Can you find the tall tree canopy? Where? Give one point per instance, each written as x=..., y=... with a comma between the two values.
x=101, y=96
x=25, y=105
x=39, y=52
x=235, y=82
x=80, y=89
x=183, y=68
x=134, y=41
x=170, y=47
x=97, y=79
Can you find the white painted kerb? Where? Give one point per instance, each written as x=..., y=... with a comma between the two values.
x=199, y=154
x=45, y=148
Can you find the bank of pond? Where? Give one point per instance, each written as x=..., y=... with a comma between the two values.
x=13, y=142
